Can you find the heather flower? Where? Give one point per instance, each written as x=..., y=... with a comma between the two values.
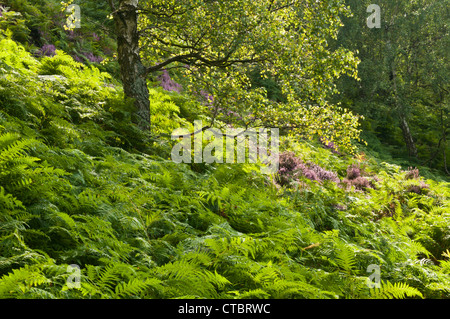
x=47, y=50
x=167, y=83
x=291, y=168
x=322, y=174
x=87, y=56
x=354, y=178
x=310, y=174
x=289, y=164
x=289, y=161
x=93, y=58
x=361, y=183
x=330, y=145
x=231, y=114
x=77, y=58
x=353, y=172
x=412, y=173
x=96, y=37
x=417, y=188
x=208, y=98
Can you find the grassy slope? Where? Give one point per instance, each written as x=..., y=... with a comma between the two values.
x=80, y=185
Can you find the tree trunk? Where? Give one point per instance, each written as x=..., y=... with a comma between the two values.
x=132, y=70
x=444, y=137
x=407, y=136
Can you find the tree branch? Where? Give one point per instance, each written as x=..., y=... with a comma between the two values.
x=178, y=58
x=111, y=5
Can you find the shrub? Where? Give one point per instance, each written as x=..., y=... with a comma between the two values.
x=167, y=83
x=353, y=172
x=330, y=146
x=355, y=179
x=288, y=165
x=47, y=50
x=291, y=168
x=320, y=173
x=415, y=185
x=412, y=173
x=93, y=58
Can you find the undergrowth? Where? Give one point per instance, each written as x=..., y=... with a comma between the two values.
x=79, y=184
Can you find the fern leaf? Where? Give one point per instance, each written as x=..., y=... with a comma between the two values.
x=135, y=287
x=345, y=257
x=397, y=290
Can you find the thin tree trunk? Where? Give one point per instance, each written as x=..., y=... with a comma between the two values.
x=132, y=71
x=444, y=136
x=407, y=136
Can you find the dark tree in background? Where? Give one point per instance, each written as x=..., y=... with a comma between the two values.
x=404, y=72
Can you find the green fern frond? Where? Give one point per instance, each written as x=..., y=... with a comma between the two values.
x=188, y=277
x=251, y=294
x=11, y=146
x=345, y=257
x=8, y=202
x=135, y=287
x=20, y=281
x=113, y=279
x=298, y=289
x=397, y=290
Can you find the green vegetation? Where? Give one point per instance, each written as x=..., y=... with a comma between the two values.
x=404, y=79
x=81, y=184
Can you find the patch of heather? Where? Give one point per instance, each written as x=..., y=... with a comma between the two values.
x=96, y=37
x=353, y=172
x=356, y=179
x=209, y=99
x=47, y=50
x=322, y=174
x=289, y=164
x=167, y=83
x=413, y=174
x=330, y=146
x=77, y=58
x=291, y=168
x=93, y=58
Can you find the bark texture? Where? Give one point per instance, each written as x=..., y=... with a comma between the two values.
x=133, y=72
x=407, y=136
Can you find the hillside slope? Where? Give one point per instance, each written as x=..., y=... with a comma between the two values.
x=80, y=185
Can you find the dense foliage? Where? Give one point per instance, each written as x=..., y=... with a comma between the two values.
x=404, y=84
x=80, y=184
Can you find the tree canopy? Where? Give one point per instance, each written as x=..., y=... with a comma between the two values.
x=216, y=46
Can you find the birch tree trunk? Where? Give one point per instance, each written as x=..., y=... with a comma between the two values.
x=133, y=73
x=407, y=136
